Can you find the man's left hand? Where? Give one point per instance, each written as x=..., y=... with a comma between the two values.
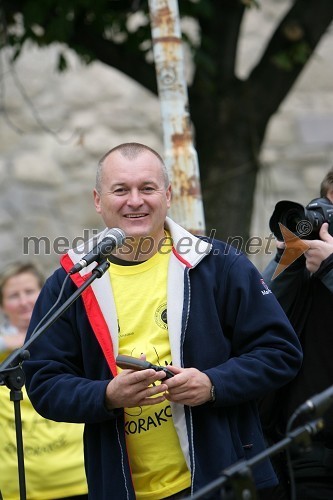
x=189, y=386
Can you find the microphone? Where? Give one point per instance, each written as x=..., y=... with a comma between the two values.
x=114, y=238
x=317, y=405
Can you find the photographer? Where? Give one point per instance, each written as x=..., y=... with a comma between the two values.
x=305, y=291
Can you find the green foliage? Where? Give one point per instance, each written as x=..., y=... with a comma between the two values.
x=294, y=56
x=47, y=21
x=251, y=3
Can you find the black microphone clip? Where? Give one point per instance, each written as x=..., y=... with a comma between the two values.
x=317, y=405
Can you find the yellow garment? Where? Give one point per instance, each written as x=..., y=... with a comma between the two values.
x=53, y=454
x=157, y=462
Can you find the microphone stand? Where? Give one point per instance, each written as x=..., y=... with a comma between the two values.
x=12, y=374
x=239, y=475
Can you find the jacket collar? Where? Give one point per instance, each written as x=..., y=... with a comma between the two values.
x=188, y=248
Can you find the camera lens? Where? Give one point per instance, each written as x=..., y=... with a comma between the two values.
x=290, y=215
x=292, y=219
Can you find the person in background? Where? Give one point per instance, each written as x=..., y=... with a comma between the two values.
x=53, y=452
x=305, y=291
x=191, y=304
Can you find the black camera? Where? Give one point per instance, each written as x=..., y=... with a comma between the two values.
x=304, y=222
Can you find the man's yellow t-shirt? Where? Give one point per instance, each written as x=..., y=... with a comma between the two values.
x=157, y=462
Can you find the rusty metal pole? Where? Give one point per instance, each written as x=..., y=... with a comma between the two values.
x=179, y=153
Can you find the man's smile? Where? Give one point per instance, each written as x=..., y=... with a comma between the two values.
x=135, y=216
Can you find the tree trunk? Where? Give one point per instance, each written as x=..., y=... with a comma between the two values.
x=229, y=182
x=228, y=195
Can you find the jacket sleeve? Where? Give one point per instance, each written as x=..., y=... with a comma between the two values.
x=288, y=285
x=325, y=273
x=265, y=351
x=55, y=378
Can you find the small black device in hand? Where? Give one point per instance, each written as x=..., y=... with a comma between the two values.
x=130, y=363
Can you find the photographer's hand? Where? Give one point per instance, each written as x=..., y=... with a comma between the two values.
x=319, y=250
x=280, y=245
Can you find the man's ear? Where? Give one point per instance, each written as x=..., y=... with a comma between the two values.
x=169, y=195
x=97, y=201
x=329, y=194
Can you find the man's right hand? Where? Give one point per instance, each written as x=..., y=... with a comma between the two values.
x=131, y=388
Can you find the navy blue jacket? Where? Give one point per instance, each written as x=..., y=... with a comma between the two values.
x=222, y=319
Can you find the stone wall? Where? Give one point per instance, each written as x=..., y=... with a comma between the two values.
x=54, y=128
x=49, y=152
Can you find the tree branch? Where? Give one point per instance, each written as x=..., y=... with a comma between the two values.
x=120, y=56
x=286, y=55
x=215, y=70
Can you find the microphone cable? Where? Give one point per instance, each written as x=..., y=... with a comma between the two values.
x=52, y=308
